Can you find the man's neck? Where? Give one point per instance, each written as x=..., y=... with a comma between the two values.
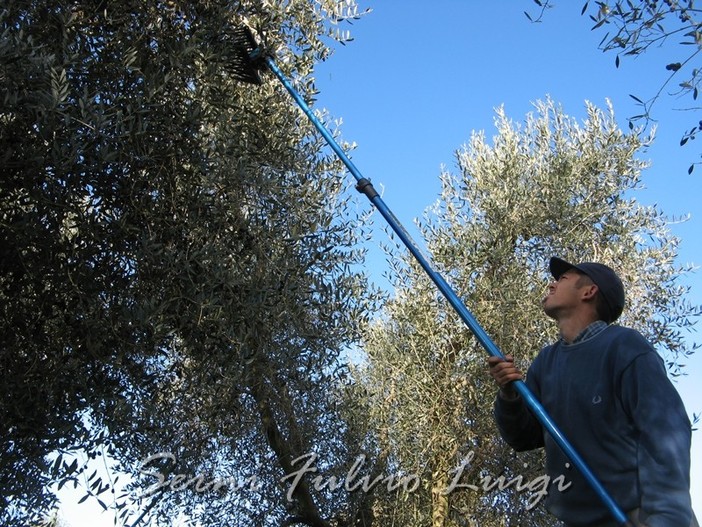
x=572, y=327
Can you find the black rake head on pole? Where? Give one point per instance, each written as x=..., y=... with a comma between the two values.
x=247, y=57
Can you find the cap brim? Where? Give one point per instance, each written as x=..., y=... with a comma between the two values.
x=558, y=267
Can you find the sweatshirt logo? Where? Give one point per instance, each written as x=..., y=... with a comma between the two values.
x=596, y=399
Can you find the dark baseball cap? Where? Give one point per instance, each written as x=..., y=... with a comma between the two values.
x=604, y=278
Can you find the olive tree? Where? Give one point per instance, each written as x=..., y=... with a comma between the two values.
x=179, y=268
x=549, y=186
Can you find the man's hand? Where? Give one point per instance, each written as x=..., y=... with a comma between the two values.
x=505, y=372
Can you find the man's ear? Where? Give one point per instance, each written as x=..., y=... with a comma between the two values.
x=589, y=291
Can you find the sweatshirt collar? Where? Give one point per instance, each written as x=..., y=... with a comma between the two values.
x=587, y=333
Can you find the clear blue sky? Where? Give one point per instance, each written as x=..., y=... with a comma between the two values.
x=421, y=76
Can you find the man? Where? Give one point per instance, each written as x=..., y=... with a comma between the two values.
x=607, y=390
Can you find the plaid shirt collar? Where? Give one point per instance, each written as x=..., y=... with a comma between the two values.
x=589, y=332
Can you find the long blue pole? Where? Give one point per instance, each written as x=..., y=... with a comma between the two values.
x=530, y=399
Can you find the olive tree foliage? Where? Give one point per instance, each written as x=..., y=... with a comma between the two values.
x=634, y=28
x=179, y=262
x=549, y=186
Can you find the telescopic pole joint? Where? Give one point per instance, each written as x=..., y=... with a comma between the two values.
x=364, y=186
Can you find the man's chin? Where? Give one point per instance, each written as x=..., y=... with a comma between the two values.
x=549, y=311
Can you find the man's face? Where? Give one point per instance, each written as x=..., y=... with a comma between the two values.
x=563, y=295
